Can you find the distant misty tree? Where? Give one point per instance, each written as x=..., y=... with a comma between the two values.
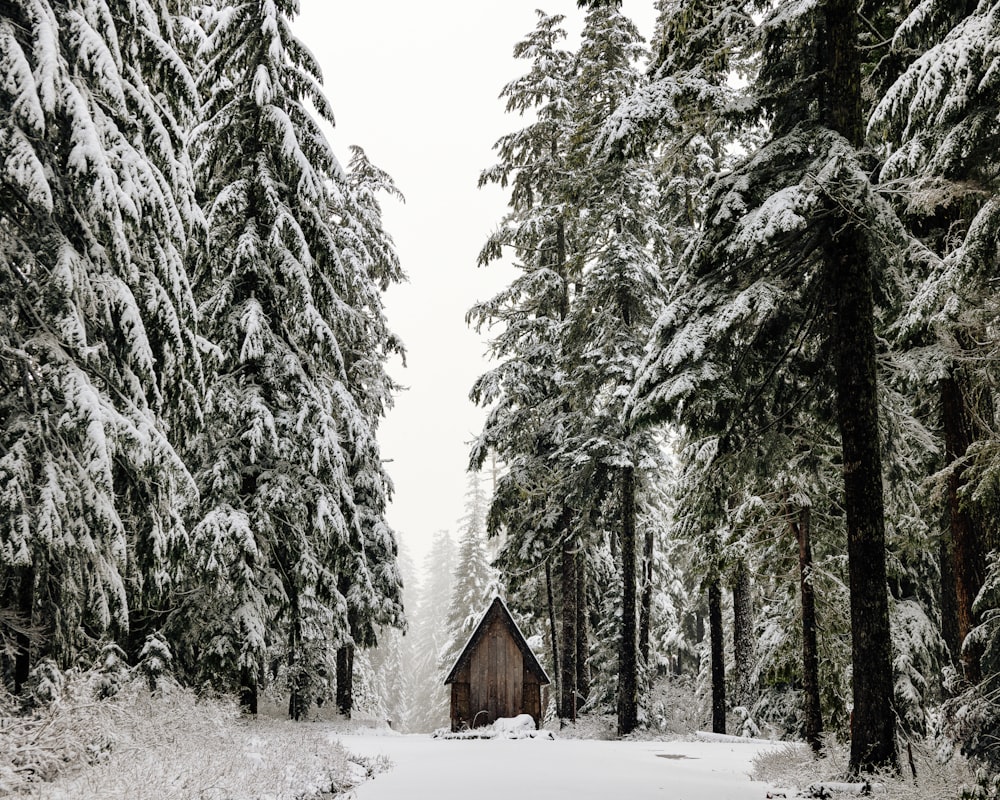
x=100, y=363
x=474, y=581
x=429, y=710
x=394, y=657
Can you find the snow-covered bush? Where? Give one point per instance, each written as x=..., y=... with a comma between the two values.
x=155, y=661
x=146, y=746
x=931, y=770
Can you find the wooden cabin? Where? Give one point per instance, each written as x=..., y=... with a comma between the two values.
x=496, y=674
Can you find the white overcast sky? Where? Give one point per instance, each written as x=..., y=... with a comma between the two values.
x=416, y=84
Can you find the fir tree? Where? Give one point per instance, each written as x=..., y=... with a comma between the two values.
x=474, y=581
x=527, y=424
x=616, y=302
x=431, y=637
x=286, y=448
x=100, y=366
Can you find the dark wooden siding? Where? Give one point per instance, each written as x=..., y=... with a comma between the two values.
x=496, y=677
x=532, y=696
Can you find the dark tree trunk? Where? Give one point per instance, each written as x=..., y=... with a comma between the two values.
x=345, y=680
x=248, y=691
x=968, y=566
x=582, y=645
x=628, y=665
x=296, y=699
x=743, y=636
x=811, y=711
x=646, y=598
x=22, y=638
x=849, y=271
x=553, y=632
x=718, y=656
x=949, y=602
x=567, y=683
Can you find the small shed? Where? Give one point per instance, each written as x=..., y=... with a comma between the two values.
x=496, y=674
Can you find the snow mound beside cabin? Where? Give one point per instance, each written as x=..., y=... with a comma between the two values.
x=520, y=727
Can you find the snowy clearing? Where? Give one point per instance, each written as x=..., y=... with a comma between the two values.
x=500, y=769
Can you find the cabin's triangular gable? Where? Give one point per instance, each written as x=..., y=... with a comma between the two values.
x=498, y=609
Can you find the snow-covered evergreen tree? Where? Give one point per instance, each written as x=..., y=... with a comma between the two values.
x=430, y=697
x=769, y=287
x=618, y=297
x=474, y=581
x=100, y=366
x=292, y=488
x=529, y=407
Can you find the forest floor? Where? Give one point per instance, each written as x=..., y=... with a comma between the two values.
x=574, y=769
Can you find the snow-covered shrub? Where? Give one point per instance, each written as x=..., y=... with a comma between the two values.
x=171, y=743
x=155, y=661
x=111, y=671
x=45, y=683
x=918, y=652
x=674, y=706
x=940, y=773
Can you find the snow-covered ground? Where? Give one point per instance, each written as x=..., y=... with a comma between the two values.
x=574, y=769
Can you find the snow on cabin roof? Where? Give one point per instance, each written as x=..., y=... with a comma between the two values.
x=499, y=607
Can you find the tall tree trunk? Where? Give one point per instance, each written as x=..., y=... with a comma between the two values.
x=718, y=655
x=553, y=633
x=743, y=636
x=968, y=564
x=567, y=683
x=949, y=599
x=799, y=519
x=22, y=638
x=849, y=270
x=646, y=598
x=628, y=665
x=345, y=680
x=248, y=690
x=582, y=645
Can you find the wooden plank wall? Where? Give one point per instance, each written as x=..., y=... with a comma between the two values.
x=496, y=676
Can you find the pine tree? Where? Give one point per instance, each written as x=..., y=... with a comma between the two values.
x=372, y=586
x=776, y=246
x=286, y=447
x=616, y=302
x=100, y=366
x=430, y=697
x=474, y=581
x=937, y=115
x=528, y=416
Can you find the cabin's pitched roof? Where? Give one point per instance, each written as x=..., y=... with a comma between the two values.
x=499, y=609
